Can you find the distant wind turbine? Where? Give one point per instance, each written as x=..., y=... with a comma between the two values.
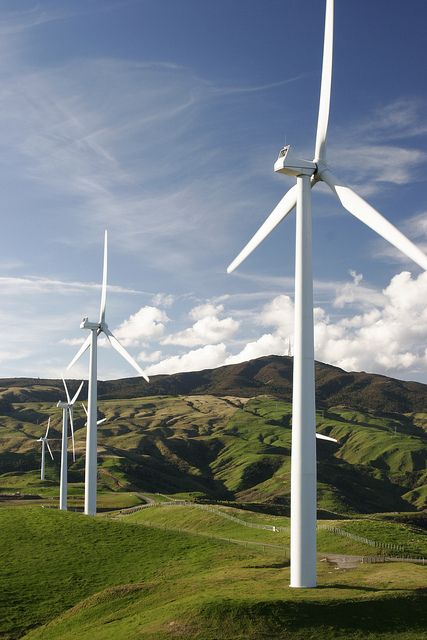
x=96, y=328
x=45, y=443
x=98, y=422
x=67, y=411
x=308, y=173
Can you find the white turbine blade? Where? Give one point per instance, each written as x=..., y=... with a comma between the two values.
x=104, y=281
x=80, y=352
x=102, y=420
x=325, y=88
x=76, y=395
x=48, y=448
x=47, y=430
x=320, y=436
x=118, y=347
x=84, y=407
x=285, y=206
x=359, y=208
x=70, y=411
x=66, y=390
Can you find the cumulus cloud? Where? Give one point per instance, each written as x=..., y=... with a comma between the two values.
x=388, y=337
x=268, y=344
x=388, y=332
x=154, y=356
x=208, y=328
x=357, y=294
x=146, y=324
x=207, y=357
x=279, y=313
x=163, y=299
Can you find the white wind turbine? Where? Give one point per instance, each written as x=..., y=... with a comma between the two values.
x=98, y=422
x=67, y=411
x=91, y=341
x=308, y=174
x=45, y=443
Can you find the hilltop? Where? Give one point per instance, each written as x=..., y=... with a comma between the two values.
x=269, y=375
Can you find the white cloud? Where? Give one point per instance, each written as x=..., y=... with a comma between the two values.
x=205, y=311
x=146, y=324
x=208, y=328
x=207, y=357
x=163, y=300
x=154, y=356
x=279, y=313
x=354, y=293
x=38, y=284
x=268, y=344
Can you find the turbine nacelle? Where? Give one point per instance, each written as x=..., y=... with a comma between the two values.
x=85, y=324
x=291, y=165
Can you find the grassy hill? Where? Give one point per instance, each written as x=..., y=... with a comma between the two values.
x=270, y=375
x=66, y=576
x=224, y=448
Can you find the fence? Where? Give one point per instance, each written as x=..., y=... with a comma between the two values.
x=218, y=512
x=264, y=546
x=353, y=536
x=385, y=546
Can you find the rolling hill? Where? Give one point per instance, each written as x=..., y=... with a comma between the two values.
x=225, y=434
x=270, y=375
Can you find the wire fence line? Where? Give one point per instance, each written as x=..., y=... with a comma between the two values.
x=284, y=550
x=204, y=507
x=264, y=546
x=353, y=536
x=386, y=546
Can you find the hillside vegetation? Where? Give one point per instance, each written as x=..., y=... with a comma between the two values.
x=69, y=576
x=224, y=448
x=270, y=375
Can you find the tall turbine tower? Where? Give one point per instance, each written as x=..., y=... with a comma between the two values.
x=308, y=174
x=91, y=341
x=45, y=443
x=67, y=411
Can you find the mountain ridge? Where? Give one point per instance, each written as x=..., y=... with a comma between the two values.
x=266, y=375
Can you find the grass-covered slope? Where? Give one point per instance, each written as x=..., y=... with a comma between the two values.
x=271, y=375
x=225, y=448
x=97, y=579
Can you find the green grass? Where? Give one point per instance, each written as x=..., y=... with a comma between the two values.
x=193, y=519
x=412, y=539
x=228, y=449
x=52, y=560
x=97, y=579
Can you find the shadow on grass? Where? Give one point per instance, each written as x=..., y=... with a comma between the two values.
x=350, y=618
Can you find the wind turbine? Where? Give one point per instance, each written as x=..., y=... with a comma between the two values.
x=308, y=174
x=67, y=411
x=98, y=422
x=96, y=328
x=45, y=443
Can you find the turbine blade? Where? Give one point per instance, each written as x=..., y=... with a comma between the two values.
x=70, y=411
x=66, y=390
x=80, y=352
x=359, y=208
x=84, y=407
x=118, y=347
x=285, y=206
x=48, y=425
x=104, y=281
x=76, y=395
x=325, y=87
x=48, y=448
x=320, y=436
x=102, y=420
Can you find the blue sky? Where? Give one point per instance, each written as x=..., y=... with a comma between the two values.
x=160, y=121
